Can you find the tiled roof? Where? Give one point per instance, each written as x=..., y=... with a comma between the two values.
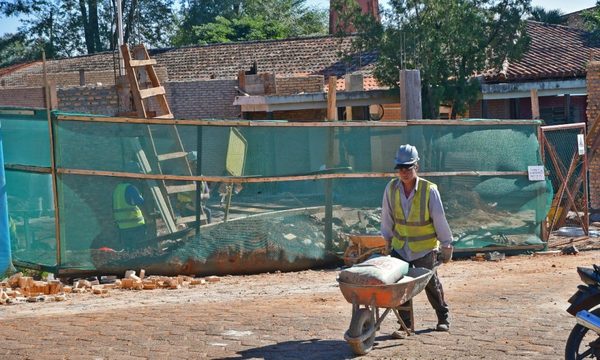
x=13, y=68
x=311, y=55
x=555, y=52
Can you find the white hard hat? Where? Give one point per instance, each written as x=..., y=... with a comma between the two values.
x=406, y=155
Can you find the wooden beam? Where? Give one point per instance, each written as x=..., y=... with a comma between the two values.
x=137, y=63
x=150, y=92
x=297, y=177
x=410, y=95
x=535, y=106
x=331, y=99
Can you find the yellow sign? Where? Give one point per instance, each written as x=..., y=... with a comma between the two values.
x=236, y=153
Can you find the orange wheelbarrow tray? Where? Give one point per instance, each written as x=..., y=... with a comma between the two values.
x=367, y=299
x=362, y=246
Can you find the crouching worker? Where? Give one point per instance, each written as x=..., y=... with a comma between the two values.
x=413, y=223
x=127, y=213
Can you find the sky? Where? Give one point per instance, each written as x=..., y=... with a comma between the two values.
x=11, y=24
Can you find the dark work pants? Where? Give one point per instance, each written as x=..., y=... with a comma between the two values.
x=434, y=290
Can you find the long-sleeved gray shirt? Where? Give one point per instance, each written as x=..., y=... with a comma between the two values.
x=436, y=211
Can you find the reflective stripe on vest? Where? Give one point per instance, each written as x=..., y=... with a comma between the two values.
x=127, y=216
x=418, y=229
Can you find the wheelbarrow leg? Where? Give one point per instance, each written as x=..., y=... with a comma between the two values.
x=408, y=307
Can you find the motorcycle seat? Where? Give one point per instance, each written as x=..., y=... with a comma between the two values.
x=589, y=276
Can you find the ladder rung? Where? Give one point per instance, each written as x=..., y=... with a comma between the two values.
x=174, y=189
x=165, y=116
x=147, y=62
x=189, y=219
x=146, y=93
x=169, y=156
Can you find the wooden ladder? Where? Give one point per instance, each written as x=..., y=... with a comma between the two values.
x=169, y=155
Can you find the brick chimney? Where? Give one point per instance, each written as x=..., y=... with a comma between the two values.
x=366, y=6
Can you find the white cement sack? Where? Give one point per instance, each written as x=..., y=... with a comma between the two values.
x=382, y=270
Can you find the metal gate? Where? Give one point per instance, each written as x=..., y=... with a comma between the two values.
x=563, y=150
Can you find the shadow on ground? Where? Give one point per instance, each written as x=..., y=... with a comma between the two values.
x=301, y=349
x=313, y=349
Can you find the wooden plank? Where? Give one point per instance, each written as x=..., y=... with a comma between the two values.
x=26, y=168
x=299, y=177
x=150, y=92
x=138, y=63
x=535, y=105
x=165, y=116
x=189, y=219
x=173, y=155
x=175, y=189
x=331, y=100
x=236, y=123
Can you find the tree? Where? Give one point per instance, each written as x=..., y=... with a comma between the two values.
x=540, y=14
x=591, y=20
x=206, y=21
x=72, y=27
x=448, y=41
x=13, y=49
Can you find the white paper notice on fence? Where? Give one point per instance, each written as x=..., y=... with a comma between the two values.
x=536, y=173
x=580, y=144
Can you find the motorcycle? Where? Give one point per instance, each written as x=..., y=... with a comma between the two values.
x=584, y=339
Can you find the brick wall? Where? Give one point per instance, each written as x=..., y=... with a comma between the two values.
x=203, y=99
x=593, y=111
x=100, y=100
x=296, y=85
x=68, y=78
x=22, y=97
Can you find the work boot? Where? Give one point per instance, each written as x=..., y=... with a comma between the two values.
x=442, y=326
x=399, y=334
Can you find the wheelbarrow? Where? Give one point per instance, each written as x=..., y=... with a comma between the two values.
x=366, y=301
x=361, y=247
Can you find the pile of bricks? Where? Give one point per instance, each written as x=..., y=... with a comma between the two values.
x=19, y=288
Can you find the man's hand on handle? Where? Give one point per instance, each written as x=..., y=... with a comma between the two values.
x=445, y=254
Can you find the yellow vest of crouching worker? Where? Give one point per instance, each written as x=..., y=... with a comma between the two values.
x=418, y=229
x=126, y=216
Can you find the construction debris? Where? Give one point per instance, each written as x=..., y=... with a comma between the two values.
x=20, y=289
x=570, y=250
x=495, y=256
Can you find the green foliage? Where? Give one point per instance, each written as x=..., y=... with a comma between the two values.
x=74, y=27
x=554, y=16
x=243, y=28
x=448, y=41
x=206, y=22
x=591, y=19
x=14, y=49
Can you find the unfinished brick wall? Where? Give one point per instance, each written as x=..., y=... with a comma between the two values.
x=593, y=111
x=299, y=84
x=22, y=97
x=203, y=99
x=32, y=77
x=99, y=100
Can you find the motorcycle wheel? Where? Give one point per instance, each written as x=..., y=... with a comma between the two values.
x=583, y=343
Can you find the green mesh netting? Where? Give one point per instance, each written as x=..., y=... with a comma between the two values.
x=274, y=218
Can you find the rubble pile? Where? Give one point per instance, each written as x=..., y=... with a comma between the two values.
x=19, y=289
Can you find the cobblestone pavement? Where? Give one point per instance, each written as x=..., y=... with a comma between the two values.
x=513, y=309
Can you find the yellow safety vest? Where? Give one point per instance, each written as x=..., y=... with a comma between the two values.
x=418, y=229
x=127, y=216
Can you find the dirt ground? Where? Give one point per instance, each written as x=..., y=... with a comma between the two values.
x=511, y=309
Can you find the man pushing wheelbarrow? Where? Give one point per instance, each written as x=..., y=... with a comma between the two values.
x=414, y=226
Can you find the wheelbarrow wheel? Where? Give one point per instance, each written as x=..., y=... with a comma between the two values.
x=362, y=323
